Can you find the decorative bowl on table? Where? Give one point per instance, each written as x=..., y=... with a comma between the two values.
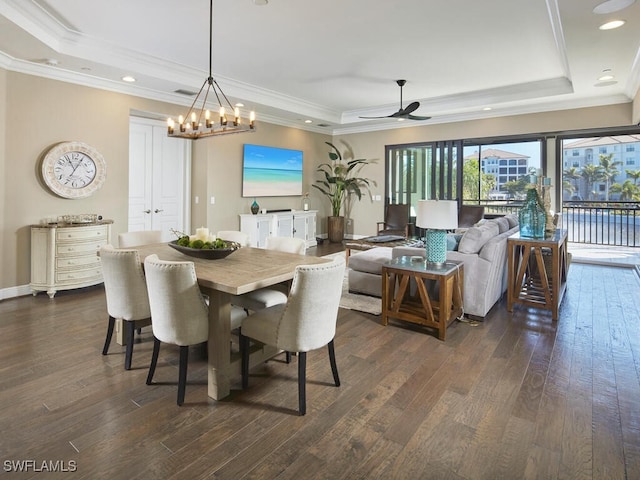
x=208, y=253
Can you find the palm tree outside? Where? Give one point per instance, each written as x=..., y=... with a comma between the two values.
x=591, y=174
x=608, y=171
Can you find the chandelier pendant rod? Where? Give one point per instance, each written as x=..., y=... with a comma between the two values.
x=210, y=41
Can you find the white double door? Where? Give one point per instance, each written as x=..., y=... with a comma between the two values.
x=159, y=179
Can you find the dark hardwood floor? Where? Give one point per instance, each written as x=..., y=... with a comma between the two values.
x=518, y=396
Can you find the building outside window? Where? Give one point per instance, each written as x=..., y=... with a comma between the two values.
x=515, y=161
x=593, y=179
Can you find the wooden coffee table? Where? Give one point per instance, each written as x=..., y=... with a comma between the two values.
x=398, y=300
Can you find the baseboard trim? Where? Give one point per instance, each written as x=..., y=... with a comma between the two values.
x=12, y=292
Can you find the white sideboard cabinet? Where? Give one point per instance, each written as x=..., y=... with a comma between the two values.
x=65, y=256
x=295, y=223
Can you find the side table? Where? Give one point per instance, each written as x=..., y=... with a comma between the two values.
x=537, y=271
x=403, y=301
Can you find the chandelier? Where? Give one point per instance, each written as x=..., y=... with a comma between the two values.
x=200, y=122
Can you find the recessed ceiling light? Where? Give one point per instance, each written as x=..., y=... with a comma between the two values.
x=308, y=121
x=486, y=109
x=239, y=104
x=612, y=24
x=611, y=6
x=605, y=84
x=606, y=77
x=128, y=78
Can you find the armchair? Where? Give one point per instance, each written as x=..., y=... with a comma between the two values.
x=396, y=221
x=469, y=215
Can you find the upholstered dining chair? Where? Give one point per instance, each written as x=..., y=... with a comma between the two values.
x=234, y=236
x=396, y=221
x=270, y=296
x=179, y=311
x=126, y=292
x=142, y=237
x=306, y=322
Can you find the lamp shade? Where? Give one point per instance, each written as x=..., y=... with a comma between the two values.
x=437, y=214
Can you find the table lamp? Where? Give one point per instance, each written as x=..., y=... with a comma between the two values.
x=437, y=216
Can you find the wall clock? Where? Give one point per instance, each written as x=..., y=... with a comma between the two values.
x=73, y=170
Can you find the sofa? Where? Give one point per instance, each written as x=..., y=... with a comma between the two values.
x=481, y=248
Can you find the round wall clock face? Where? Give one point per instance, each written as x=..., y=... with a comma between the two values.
x=73, y=170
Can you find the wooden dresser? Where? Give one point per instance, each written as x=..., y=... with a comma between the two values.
x=64, y=256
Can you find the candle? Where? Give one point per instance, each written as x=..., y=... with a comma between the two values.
x=202, y=233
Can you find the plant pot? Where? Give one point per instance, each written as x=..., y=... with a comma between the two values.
x=335, y=229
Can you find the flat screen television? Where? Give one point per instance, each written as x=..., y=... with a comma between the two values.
x=271, y=171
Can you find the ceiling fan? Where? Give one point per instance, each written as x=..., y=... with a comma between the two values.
x=404, y=112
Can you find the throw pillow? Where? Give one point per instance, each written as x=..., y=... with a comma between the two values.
x=512, y=218
x=475, y=238
x=503, y=224
x=453, y=239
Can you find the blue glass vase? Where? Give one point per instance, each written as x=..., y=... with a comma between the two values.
x=532, y=216
x=255, y=208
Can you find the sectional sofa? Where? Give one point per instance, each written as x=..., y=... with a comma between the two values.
x=481, y=248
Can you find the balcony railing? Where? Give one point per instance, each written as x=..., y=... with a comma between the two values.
x=590, y=222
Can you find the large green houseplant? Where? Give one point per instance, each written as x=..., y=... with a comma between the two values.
x=339, y=181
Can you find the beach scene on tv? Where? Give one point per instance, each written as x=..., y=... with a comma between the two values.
x=271, y=172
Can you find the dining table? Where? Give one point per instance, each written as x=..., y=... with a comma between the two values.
x=245, y=270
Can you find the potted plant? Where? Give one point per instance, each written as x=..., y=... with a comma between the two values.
x=339, y=181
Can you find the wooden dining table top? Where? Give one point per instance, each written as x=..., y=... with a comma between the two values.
x=245, y=270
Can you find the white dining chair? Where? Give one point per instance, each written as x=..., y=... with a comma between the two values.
x=126, y=292
x=270, y=296
x=307, y=321
x=179, y=311
x=234, y=236
x=142, y=237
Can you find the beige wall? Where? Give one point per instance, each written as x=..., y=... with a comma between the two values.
x=635, y=117
x=371, y=145
x=36, y=113
x=220, y=173
x=3, y=176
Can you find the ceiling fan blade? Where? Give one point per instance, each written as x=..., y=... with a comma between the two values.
x=412, y=107
x=404, y=112
x=399, y=114
x=417, y=117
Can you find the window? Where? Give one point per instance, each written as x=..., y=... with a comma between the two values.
x=422, y=171
x=515, y=159
x=490, y=172
x=576, y=153
x=584, y=179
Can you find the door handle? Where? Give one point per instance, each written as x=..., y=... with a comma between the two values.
x=158, y=210
x=147, y=211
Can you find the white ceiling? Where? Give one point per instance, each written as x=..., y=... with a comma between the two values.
x=331, y=61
